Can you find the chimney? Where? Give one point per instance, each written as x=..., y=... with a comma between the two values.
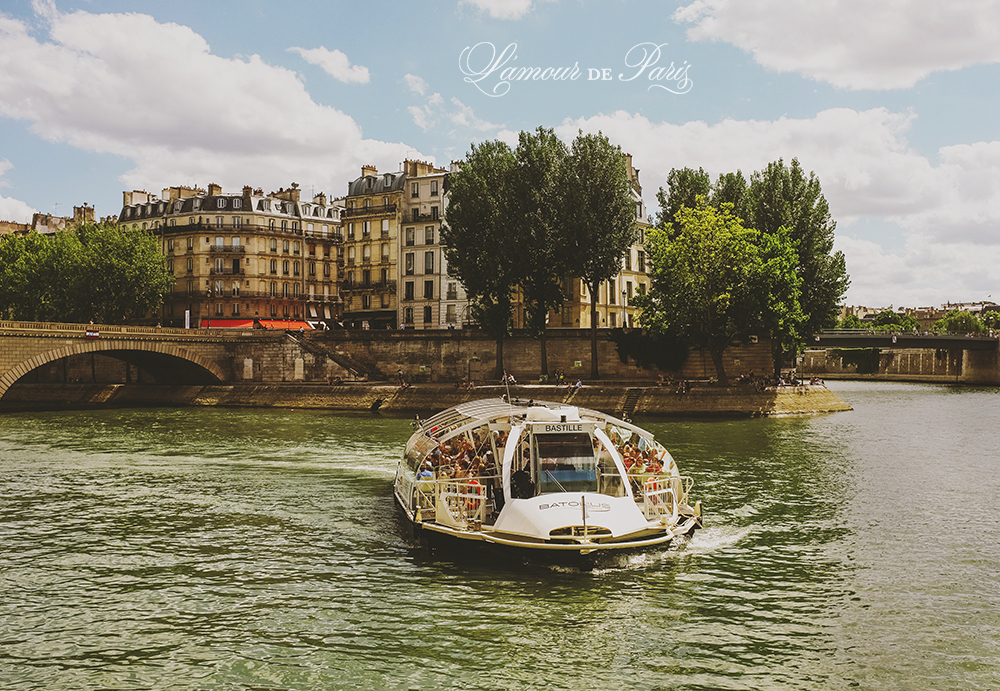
x=247, y=190
x=368, y=170
x=214, y=189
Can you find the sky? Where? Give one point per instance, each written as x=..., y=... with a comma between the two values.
x=892, y=104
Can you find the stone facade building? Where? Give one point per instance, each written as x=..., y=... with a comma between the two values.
x=243, y=256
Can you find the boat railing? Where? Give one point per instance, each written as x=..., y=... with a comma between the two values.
x=459, y=501
x=661, y=496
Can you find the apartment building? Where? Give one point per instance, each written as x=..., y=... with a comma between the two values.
x=243, y=256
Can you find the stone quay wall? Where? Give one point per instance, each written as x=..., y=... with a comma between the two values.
x=653, y=401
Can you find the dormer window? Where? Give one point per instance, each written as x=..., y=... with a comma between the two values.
x=220, y=203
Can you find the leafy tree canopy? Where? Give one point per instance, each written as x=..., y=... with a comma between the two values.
x=102, y=272
x=960, y=322
x=718, y=282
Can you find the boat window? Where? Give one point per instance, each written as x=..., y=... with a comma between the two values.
x=566, y=463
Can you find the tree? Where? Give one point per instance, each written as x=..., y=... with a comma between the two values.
x=960, y=322
x=851, y=321
x=597, y=218
x=483, y=243
x=103, y=272
x=887, y=320
x=783, y=196
x=684, y=186
x=534, y=187
x=717, y=281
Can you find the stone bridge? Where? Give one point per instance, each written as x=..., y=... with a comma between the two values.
x=160, y=356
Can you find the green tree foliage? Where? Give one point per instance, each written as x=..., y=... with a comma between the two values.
x=991, y=320
x=666, y=352
x=684, y=186
x=483, y=244
x=783, y=196
x=851, y=321
x=718, y=282
x=539, y=157
x=597, y=218
x=106, y=273
x=887, y=320
x=960, y=322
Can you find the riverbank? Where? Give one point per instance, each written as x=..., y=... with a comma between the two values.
x=700, y=401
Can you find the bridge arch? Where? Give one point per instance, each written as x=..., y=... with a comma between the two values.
x=110, y=347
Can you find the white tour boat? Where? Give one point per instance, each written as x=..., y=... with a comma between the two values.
x=542, y=476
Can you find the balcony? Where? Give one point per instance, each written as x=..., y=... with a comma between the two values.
x=228, y=248
x=226, y=271
x=369, y=211
x=374, y=287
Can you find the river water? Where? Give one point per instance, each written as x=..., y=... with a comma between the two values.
x=222, y=549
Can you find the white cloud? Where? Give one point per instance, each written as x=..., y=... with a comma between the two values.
x=947, y=210
x=416, y=84
x=464, y=117
x=154, y=93
x=335, y=64
x=13, y=209
x=501, y=9
x=853, y=44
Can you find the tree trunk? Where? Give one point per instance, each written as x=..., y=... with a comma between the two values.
x=500, y=368
x=594, y=374
x=545, y=354
x=720, y=369
x=777, y=355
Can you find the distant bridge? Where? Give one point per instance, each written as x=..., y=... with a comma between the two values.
x=860, y=338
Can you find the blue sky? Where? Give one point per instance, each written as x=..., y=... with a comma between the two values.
x=892, y=104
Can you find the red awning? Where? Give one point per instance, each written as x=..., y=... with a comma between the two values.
x=282, y=324
x=227, y=323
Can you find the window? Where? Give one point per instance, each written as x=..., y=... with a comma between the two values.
x=434, y=213
x=366, y=277
x=218, y=309
x=408, y=315
x=284, y=290
x=366, y=228
x=190, y=243
x=410, y=236
x=170, y=245
x=366, y=254
x=429, y=289
x=415, y=189
x=295, y=269
x=628, y=260
x=284, y=246
x=170, y=265
x=384, y=300
x=236, y=243
x=237, y=221
x=409, y=262
x=218, y=265
x=295, y=225
x=326, y=270
x=219, y=242
x=237, y=203
x=274, y=243
x=190, y=264
x=284, y=267
x=385, y=276
x=385, y=253
x=452, y=291
x=295, y=290
x=350, y=231
x=274, y=266
x=427, y=314
x=641, y=261
x=218, y=222
x=366, y=302
x=450, y=314
x=611, y=291
x=274, y=289
x=312, y=250
x=220, y=203
x=274, y=310
x=385, y=226
x=296, y=248
x=434, y=188
x=312, y=268
x=236, y=309
x=408, y=290
x=350, y=255
x=428, y=262
x=429, y=235
x=416, y=215
x=270, y=224
x=284, y=225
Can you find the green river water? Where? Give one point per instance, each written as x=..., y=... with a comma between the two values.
x=260, y=549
